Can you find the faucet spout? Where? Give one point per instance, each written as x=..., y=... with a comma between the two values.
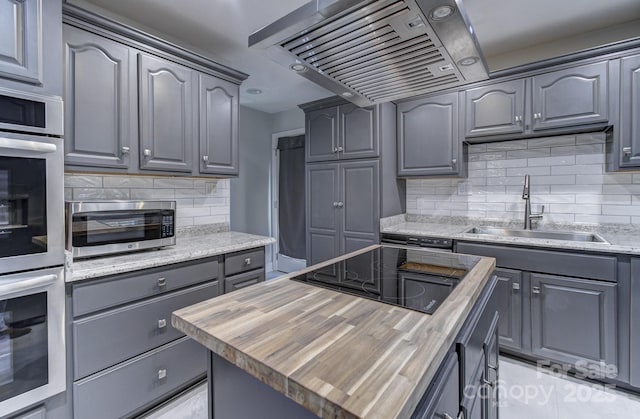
x=526, y=195
x=525, y=190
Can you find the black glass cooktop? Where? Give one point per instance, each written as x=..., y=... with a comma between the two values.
x=418, y=279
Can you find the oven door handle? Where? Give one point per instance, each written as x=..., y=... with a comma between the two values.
x=24, y=145
x=22, y=285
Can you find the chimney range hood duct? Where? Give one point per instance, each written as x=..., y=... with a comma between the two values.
x=376, y=51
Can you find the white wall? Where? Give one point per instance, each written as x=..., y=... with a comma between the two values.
x=567, y=176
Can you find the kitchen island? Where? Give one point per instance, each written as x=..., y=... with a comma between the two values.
x=337, y=354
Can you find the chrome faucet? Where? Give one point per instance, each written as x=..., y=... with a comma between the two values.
x=528, y=216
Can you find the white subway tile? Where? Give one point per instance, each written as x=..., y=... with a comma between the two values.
x=190, y=193
x=446, y=205
x=501, y=215
x=210, y=201
x=84, y=194
x=578, y=169
x=552, y=161
x=618, y=179
x=477, y=181
x=576, y=189
x=533, y=171
x=559, y=218
x=193, y=212
x=590, y=159
x=591, y=138
x=496, y=155
x=635, y=220
x=127, y=182
x=184, y=221
x=636, y=200
x=438, y=182
x=469, y=198
x=153, y=193
x=423, y=204
x=629, y=210
x=512, y=198
x=499, y=164
x=590, y=179
x=574, y=209
x=636, y=178
x=490, y=206
x=622, y=189
x=552, y=141
x=599, y=219
x=524, y=154
x=556, y=199
x=555, y=180
x=603, y=199
x=489, y=189
x=509, y=181
x=476, y=165
x=507, y=145
x=535, y=189
x=577, y=150
x=446, y=190
x=212, y=219
x=82, y=181
x=172, y=182
x=184, y=203
x=477, y=148
x=470, y=214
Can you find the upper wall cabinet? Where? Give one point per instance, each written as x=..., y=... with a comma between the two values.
x=341, y=132
x=630, y=112
x=428, y=137
x=218, y=126
x=21, y=40
x=495, y=109
x=99, y=86
x=166, y=115
x=575, y=96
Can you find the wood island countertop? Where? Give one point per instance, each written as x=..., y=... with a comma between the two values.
x=338, y=355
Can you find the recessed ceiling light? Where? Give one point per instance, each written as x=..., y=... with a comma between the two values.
x=347, y=94
x=467, y=61
x=253, y=91
x=298, y=68
x=441, y=12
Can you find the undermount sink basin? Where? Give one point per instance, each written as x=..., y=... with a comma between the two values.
x=574, y=236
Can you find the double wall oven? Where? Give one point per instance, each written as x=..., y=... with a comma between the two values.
x=32, y=346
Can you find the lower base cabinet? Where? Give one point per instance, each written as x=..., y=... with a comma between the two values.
x=635, y=323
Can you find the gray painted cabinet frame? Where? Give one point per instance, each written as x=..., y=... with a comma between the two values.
x=21, y=40
x=630, y=112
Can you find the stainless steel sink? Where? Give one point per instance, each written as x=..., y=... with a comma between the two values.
x=574, y=236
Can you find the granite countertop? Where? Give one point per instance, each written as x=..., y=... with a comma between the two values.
x=336, y=354
x=188, y=247
x=623, y=239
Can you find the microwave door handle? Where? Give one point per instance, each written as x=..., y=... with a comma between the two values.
x=24, y=145
x=21, y=285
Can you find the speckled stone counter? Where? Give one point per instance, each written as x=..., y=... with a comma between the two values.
x=188, y=247
x=623, y=239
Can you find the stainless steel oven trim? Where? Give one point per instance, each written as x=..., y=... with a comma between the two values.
x=54, y=113
x=44, y=148
x=77, y=207
x=50, y=281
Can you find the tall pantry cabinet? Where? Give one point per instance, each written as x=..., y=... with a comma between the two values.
x=350, y=176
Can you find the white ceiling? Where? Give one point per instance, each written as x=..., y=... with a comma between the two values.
x=505, y=28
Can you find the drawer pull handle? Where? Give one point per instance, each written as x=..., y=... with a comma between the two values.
x=162, y=323
x=147, y=152
x=516, y=286
x=535, y=290
x=125, y=150
x=162, y=282
x=493, y=367
x=487, y=382
x=447, y=416
x=162, y=374
x=626, y=151
x=247, y=261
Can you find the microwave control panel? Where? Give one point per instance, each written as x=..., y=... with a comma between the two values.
x=168, y=224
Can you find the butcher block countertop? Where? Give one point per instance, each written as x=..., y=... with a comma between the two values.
x=338, y=355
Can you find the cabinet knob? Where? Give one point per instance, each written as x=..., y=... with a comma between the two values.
x=335, y=205
x=537, y=115
x=205, y=158
x=626, y=151
x=340, y=149
x=516, y=286
x=340, y=204
x=518, y=118
x=535, y=290
x=454, y=162
x=125, y=150
x=162, y=323
x=147, y=152
x=162, y=374
x=247, y=261
x=162, y=282
x=335, y=149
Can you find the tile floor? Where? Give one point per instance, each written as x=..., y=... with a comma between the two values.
x=525, y=393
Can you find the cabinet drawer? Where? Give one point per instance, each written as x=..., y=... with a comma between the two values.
x=559, y=263
x=128, y=387
x=243, y=261
x=100, y=294
x=243, y=280
x=105, y=339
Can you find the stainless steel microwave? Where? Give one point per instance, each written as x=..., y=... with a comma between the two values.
x=107, y=227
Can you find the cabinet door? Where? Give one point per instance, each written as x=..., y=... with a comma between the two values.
x=635, y=322
x=358, y=133
x=166, y=115
x=21, y=40
x=323, y=195
x=322, y=135
x=218, y=126
x=443, y=400
x=495, y=109
x=573, y=320
x=490, y=390
x=509, y=299
x=243, y=280
x=359, y=204
x=575, y=96
x=428, y=140
x=630, y=112
x=99, y=100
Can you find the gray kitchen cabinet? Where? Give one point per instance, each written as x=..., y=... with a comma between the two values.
x=243, y=268
x=218, y=126
x=100, y=94
x=509, y=299
x=630, y=112
x=21, y=40
x=166, y=105
x=342, y=208
x=428, y=137
x=561, y=306
x=495, y=109
x=243, y=280
x=341, y=132
x=574, y=96
x=443, y=399
x=635, y=322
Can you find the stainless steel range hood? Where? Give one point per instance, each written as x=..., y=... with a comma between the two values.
x=374, y=51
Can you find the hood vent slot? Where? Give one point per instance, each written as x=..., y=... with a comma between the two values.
x=373, y=52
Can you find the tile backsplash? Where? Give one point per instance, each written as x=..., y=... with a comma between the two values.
x=567, y=176
x=199, y=201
